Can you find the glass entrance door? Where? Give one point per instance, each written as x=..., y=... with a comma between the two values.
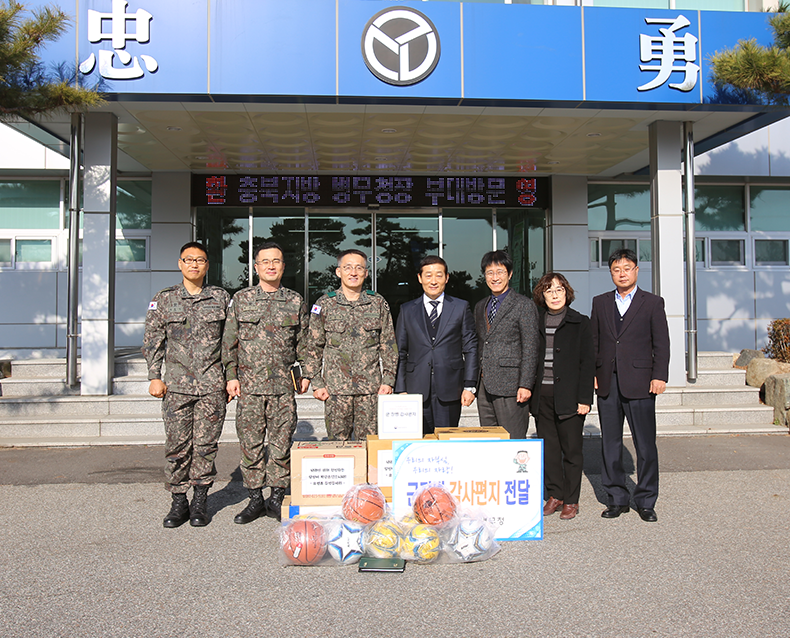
x=329, y=234
x=402, y=240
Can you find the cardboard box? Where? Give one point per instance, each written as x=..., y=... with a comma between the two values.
x=323, y=471
x=289, y=510
x=380, y=462
x=487, y=432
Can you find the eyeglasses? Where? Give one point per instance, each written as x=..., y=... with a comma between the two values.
x=266, y=262
x=357, y=268
x=554, y=292
x=626, y=271
x=495, y=273
x=194, y=260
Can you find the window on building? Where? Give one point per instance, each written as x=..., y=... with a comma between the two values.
x=727, y=252
x=133, y=205
x=618, y=207
x=5, y=252
x=768, y=208
x=33, y=253
x=770, y=252
x=30, y=205
x=130, y=252
x=719, y=208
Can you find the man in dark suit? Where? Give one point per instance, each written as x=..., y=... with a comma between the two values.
x=437, y=349
x=507, y=334
x=631, y=340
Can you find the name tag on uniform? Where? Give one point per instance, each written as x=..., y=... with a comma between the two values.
x=316, y=309
x=152, y=305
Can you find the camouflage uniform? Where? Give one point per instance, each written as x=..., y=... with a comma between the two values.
x=355, y=343
x=185, y=332
x=262, y=340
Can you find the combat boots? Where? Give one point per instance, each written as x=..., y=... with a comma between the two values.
x=276, y=502
x=197, y=509
x=179, y=511
x=255, y=508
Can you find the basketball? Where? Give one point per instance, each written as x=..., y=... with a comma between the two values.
x=420, y=544
x=434, y=505
x=364, y=504
x=344, y=540
x=383, y=539
x=303, y=542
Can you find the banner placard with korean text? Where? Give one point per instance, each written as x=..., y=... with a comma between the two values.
x=504, y=478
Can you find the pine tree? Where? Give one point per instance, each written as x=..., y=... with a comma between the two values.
x=27, y=88
x=761, y=74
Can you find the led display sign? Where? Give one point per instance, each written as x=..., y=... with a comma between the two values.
x=367, y=190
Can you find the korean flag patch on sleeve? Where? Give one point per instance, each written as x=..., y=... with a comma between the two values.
x=316, y=309
x=152, y=305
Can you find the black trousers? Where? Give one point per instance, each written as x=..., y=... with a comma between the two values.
x=641, y=416
x=563, y=458
x=439, y=414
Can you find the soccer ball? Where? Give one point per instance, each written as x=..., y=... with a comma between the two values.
x=344, y=541
x=470, y=539
x=421, y=544
x=383, y=539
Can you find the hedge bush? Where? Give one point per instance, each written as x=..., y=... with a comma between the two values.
x=778, y=340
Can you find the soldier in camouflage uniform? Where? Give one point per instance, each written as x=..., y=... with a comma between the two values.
x=351, y=355
x=262, y=340
x=183, y=329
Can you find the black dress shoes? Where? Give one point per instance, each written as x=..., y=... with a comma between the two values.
x=647, y=514
x=613, y=511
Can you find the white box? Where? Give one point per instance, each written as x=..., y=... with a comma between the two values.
x=400, y=416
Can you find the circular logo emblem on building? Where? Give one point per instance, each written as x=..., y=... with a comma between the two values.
x=400, y=46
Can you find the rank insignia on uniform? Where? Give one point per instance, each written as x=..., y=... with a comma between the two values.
x=152, y=305
x=316, y=309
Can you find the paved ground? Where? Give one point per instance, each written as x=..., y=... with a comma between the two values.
x=83, y=554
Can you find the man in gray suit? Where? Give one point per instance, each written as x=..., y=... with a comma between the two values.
x=507, y=335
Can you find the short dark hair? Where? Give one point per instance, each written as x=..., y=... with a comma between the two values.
x=428, y=260
x=193, y=244
x=351, y=251
x=266, y=246
x=545, y=283
x=623, y=253
x=496, y=257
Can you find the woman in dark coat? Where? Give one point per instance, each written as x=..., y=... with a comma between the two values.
x=563, y=391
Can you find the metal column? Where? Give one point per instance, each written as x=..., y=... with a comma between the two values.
x=691, y=258
x=72, y=322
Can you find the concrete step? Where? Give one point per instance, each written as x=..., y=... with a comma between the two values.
x=56, y=368
x=36, y=386
x=705, y=416
x=720, y=378
x=131, y=367
x=40, y=368
x=131, y=384
x=708, y=396
x=715, y=360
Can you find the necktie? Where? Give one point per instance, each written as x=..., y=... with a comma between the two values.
x=492, y=312
x=434, y=313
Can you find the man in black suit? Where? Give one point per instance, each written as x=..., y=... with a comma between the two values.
x=507, y=334
x=437, y=349
x=631, y=339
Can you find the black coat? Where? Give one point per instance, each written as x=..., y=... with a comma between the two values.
x=574, y=363
x=640, y=348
